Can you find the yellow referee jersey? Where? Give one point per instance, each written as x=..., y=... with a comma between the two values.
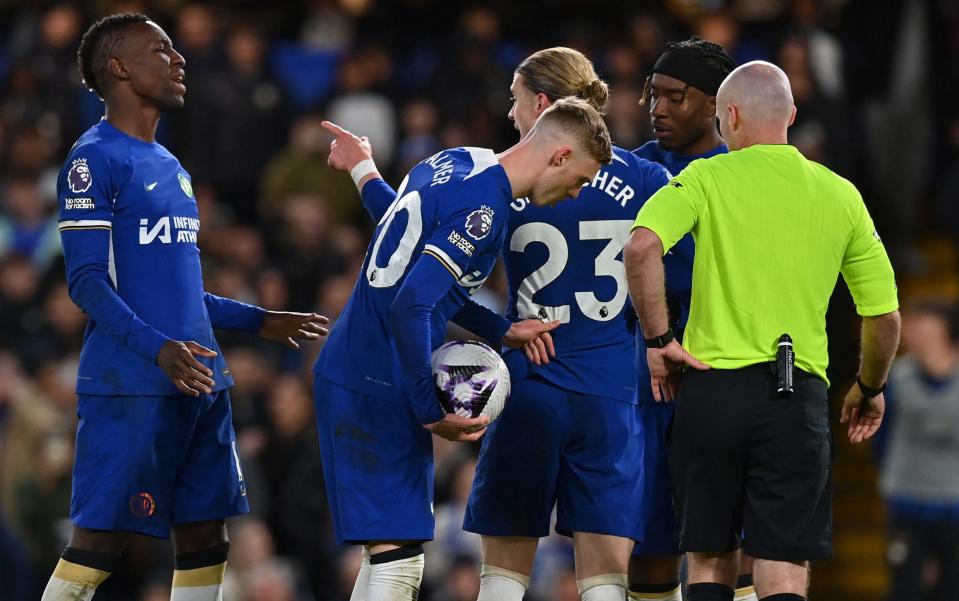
x=773, y=231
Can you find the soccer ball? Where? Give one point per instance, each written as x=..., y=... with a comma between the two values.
x=470, y=379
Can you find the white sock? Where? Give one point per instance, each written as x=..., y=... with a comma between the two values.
x=674, y=595
x=362, y=578
x=498, y=584
x=73, y=582
x=605, y=587
x=397, y=580
x=199, y=584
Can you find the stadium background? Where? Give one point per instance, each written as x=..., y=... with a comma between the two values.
x=876, y=85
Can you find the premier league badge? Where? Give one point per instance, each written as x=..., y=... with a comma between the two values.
x=479, y=223
x=79, y=177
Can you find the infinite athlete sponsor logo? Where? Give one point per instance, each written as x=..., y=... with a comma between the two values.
x=79, y=178
x=461, y=243
x=186, y=230
x=83, y=202
x=479, y=223
x=142, y=505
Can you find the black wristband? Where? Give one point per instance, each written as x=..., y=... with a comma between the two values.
x=660, y=341
x=868, y=392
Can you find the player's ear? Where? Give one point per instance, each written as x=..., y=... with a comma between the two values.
x=733, y=116
x=711, y=107
x=792, y=117
x=560, y=156
x=117, y=69
x=542, y=102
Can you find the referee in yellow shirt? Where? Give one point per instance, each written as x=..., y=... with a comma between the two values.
x=773, y=231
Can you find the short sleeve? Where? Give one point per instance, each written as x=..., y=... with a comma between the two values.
x=866, y=267
x=85, y=190
x=674, y=209
x=464, y=234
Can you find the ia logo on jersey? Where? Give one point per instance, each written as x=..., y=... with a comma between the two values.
x=479, y=223
x=79, y=177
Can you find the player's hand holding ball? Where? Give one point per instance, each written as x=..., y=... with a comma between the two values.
x=458, y=428
x=286, y=328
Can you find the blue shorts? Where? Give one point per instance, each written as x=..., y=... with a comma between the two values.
x=659, y=535
x=145, y=463
x=377, y=466
x=552, y=446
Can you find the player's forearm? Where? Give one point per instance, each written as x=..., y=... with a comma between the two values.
x=229, y=314
x=880, y=340
x=412, y=330
x=483, y=322
x=644, y=275
x=377, y=196
x=93, y=294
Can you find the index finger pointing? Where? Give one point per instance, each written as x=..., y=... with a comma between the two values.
x=334, y=129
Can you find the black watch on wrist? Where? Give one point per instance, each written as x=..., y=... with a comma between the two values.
x=868, y=392
x=661, y=340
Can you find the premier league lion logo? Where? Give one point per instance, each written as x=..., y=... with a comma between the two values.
x=79, y=177
x=479, y=223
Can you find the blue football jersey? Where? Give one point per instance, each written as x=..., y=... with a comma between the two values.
x=129, y=224
x=564, y=263
x=452, y=207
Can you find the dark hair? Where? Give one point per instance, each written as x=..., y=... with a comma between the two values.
x=97, y=44
x=945, y=310
x=713, y=55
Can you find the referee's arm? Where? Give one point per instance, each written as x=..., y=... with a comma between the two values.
x=663, y=220
x=869, y=275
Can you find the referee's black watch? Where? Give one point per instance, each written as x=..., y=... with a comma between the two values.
x=868, y=392
x=660, y=341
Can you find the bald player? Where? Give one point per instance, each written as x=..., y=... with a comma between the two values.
x=749, y=451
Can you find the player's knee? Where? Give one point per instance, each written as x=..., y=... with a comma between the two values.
x=98, y=541
x=195, y=537
x=396, y=573
x=605, y=587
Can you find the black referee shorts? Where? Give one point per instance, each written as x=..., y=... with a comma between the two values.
x=744, y=460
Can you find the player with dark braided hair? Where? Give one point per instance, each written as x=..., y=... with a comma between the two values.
x=681, y=94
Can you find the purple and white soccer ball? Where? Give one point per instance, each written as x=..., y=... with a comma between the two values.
x=470, y=379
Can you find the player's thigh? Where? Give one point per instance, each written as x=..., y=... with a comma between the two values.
x=514, y=487
x=788, y=510
x=128, y=453
x=601, y=468
x=210, y=484
x=377, y=463
x=660, y=537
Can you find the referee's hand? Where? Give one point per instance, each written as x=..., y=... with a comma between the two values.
x=666, y=366
x=864, y=415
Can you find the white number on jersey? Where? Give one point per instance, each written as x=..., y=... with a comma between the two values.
x=606, y=264
x=388, y=275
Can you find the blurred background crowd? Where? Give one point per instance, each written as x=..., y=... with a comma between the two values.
x=877, y=89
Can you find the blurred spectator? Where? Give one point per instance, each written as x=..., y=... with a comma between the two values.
x=301, y=169
x=361, y=107
x=920, y=468
x=27, y=226
x=452, y=545
x=250, y=120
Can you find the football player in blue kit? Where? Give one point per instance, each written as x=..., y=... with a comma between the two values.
x=681, y=93
x=570, y=434
x=155, y=446
x=435, y=244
